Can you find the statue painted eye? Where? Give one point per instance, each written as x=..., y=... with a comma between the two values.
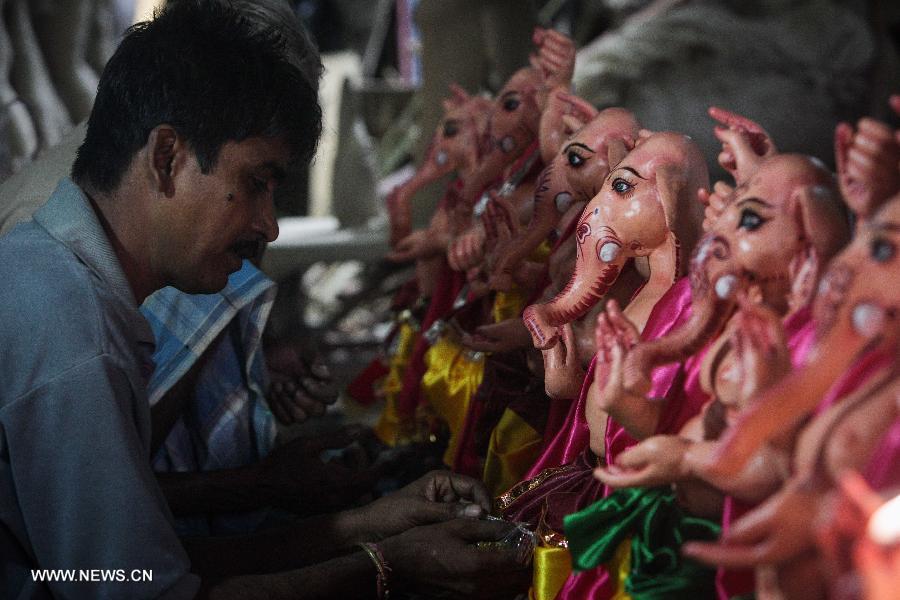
x=750, y=220
x=620, y=186
x=575, y=159
x=511, y=104
x=450, y=129
x=882, y=250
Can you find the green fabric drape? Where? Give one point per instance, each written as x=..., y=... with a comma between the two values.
x=657, y=527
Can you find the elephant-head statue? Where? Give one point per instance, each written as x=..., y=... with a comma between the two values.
x=573, y=175
x=776, y=233
x=453, y=147
x=856, y=309
x=646, y=207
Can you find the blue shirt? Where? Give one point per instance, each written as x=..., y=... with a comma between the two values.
x=76, y=487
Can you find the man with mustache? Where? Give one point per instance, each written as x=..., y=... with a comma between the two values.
x=197, y=119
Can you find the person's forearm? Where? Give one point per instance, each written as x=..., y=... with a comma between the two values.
x=307, y=542
x=351, y=577
x=212, y=492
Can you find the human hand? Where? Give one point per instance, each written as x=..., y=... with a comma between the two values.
x=442, y=560
x=563, y=375
x=744, y=143
x=776, y=531
x=867, y=161
x=504, y=336
x=301, y=386
x=658, y=460
x=297, y=479
x=435, y=497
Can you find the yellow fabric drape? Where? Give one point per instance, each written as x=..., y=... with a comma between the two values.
x=451, y=378
x=619, y=567
x=389, y=426
x=552, y=567
x=513, y=448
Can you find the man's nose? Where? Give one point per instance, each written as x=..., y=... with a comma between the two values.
x=266, y=223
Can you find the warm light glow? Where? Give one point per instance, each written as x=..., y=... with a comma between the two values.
x=884, y=526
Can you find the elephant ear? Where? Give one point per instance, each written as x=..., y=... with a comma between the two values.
x=822, y=218
x=572, y=123
x=615, y=152
x=680, y=208
x=826, y=231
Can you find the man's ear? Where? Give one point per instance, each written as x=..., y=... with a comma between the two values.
x=165, y=154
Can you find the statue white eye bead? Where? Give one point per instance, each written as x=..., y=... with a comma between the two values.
x=563, y=201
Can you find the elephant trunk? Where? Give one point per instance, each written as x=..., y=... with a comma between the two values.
x=846, y=330
x=399, y=200
x=712, y=304
x=595, y=273
x=551, y=200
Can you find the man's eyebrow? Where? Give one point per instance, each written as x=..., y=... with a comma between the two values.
x=580, y=145
x=278, y=172
x=756, y=200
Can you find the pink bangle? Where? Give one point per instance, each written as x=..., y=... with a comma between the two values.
x=381, y=566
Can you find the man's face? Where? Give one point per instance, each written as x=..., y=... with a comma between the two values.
x=216, y=220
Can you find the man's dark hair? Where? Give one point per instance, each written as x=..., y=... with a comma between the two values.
x=204, y=68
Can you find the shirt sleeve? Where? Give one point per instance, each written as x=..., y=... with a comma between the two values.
x=87, y=495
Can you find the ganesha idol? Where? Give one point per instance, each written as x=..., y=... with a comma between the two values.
x=778, y=230
x=646, y=207
x=850, y=380
x=513, y=424
x=505, y=151
x=576, y=167
x=453, y=149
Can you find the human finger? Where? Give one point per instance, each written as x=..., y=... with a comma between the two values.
x=444, y=486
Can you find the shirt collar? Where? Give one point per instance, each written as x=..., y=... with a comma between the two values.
x=69, y=218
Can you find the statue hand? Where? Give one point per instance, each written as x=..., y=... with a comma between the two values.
x=714, y=202
x=467, y=250
x=776, y=531
x=867, y=161
x=744, y=143
x=658, y=460
x=555, y=57
x=416, y=245
x=563, y=375
x=504, y=336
